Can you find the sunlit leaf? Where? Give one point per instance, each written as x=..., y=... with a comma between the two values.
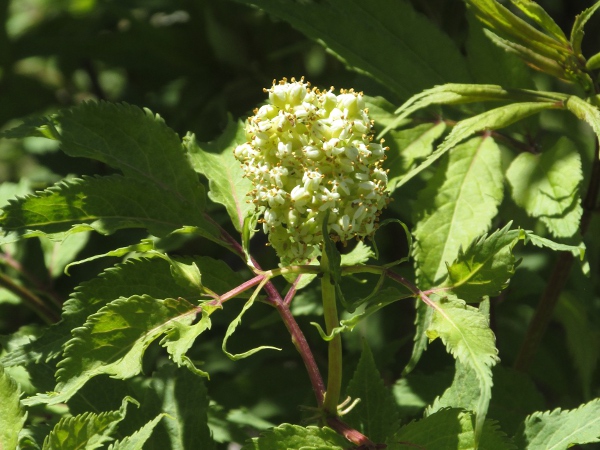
x=12, y=416
x=467, y=335
x=554, y=430
x=215, y=161
x=296, y=437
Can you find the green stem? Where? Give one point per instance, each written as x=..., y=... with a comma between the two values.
x=334, y=374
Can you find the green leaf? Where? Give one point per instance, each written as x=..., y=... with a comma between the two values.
x=182, y=396
x=359, y=255
x=103, y=204
x=539, y=15
x=467, y=336
x=490, y=120
x=449, y=429
x=408, y=146
x=485, y=267
x=85, y=431
x=463, y=393
x=577, y=32
x=150, y=276
x=557, y=430
x=546, y=185
x=376, y=416
x=137, y=440
x=501, y=20
x=145, y=245
x=456, y=207
x=58, y=255
x=296, y=437
x=352, y=29
x=134, y=141
x=12, y=416
x=215, y=161
x=585, y=111
x=417, y=390
x=113, y=341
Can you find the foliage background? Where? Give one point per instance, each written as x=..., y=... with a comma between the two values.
x=197, y=63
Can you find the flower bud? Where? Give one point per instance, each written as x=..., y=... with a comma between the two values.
x=309, y=152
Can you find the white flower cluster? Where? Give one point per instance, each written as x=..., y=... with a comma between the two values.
x=309, y=152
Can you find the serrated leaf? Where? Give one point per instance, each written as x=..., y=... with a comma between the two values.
x=423, y=55
x=215, y=160
x=288, y=436
x=485, y=267
x=449, y=429
x=376, y=416
x=409, y=146
x=456, y=207
x=585, y=111
x=134, y=141
x=137, y=440
x=150, y=276
x=557, y=430
x=12, y=416
x=113, y=341
x=546, y=184
x=493, y=119
x=467, y=336
x=145, y=245
x=103, y=204
x=359, y=255
x=84, y=431
x=577, y=32
x=539, y=15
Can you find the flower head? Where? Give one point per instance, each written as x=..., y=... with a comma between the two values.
x=309, y=152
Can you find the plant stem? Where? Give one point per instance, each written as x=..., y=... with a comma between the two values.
x=334, y=373
x=30, y=299
x=298, y=338
x=558, y=280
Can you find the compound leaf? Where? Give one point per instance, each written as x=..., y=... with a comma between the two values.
x=557, y=430
x=215, y=160
x=297, y=437
x=539, y=15
x=352, y=29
